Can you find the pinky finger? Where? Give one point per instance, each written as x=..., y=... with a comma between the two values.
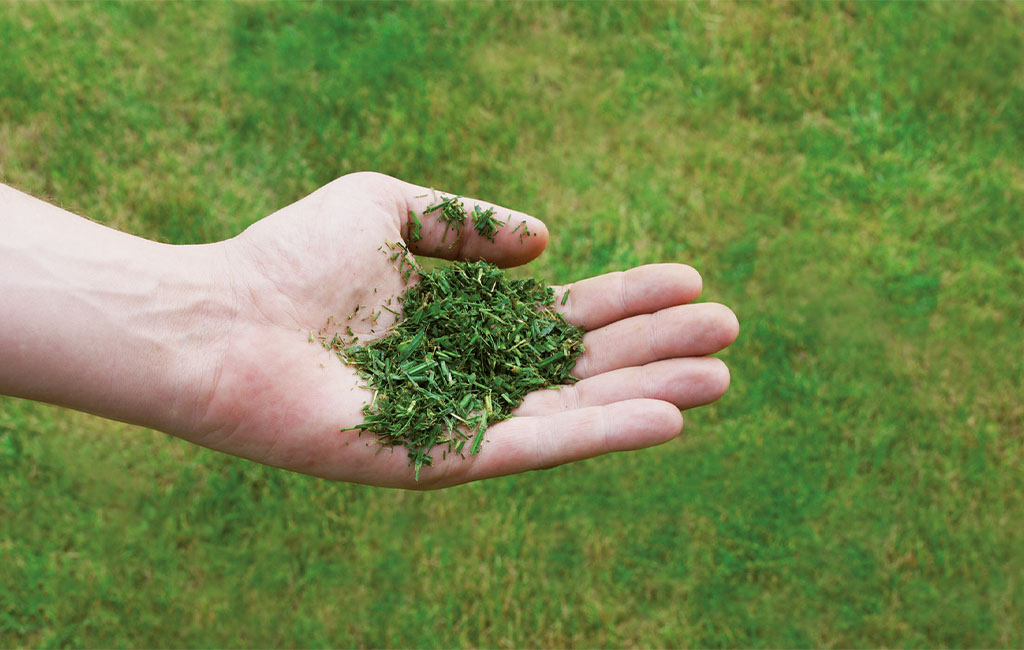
x=527, y=443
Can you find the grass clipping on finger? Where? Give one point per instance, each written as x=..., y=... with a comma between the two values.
x=471, y=343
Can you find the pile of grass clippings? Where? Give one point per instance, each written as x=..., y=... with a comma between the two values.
x=470, y=345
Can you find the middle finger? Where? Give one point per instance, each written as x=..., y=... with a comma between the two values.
x=684, y=331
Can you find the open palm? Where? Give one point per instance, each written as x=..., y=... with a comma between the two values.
x=282, y=400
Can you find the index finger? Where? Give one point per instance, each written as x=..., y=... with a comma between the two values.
x=599, y=301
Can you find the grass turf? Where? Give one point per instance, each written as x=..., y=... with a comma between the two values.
x=847, y=176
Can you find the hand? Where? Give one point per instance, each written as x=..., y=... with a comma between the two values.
x=280, y=399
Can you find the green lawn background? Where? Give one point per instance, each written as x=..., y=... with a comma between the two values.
x=849, y=177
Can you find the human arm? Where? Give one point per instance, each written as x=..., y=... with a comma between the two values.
x=211, y=342
x=105, y=322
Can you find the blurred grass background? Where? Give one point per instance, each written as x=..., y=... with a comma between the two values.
x=847, y=176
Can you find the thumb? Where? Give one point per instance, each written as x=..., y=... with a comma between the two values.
x=449, y=226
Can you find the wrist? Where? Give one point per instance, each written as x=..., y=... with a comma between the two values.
x=184, y=329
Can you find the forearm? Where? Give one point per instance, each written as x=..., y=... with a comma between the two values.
x=105, y=322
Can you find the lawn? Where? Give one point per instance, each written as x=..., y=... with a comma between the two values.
x=848, y=177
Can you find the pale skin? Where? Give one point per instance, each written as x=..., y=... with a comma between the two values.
x=211, y=343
